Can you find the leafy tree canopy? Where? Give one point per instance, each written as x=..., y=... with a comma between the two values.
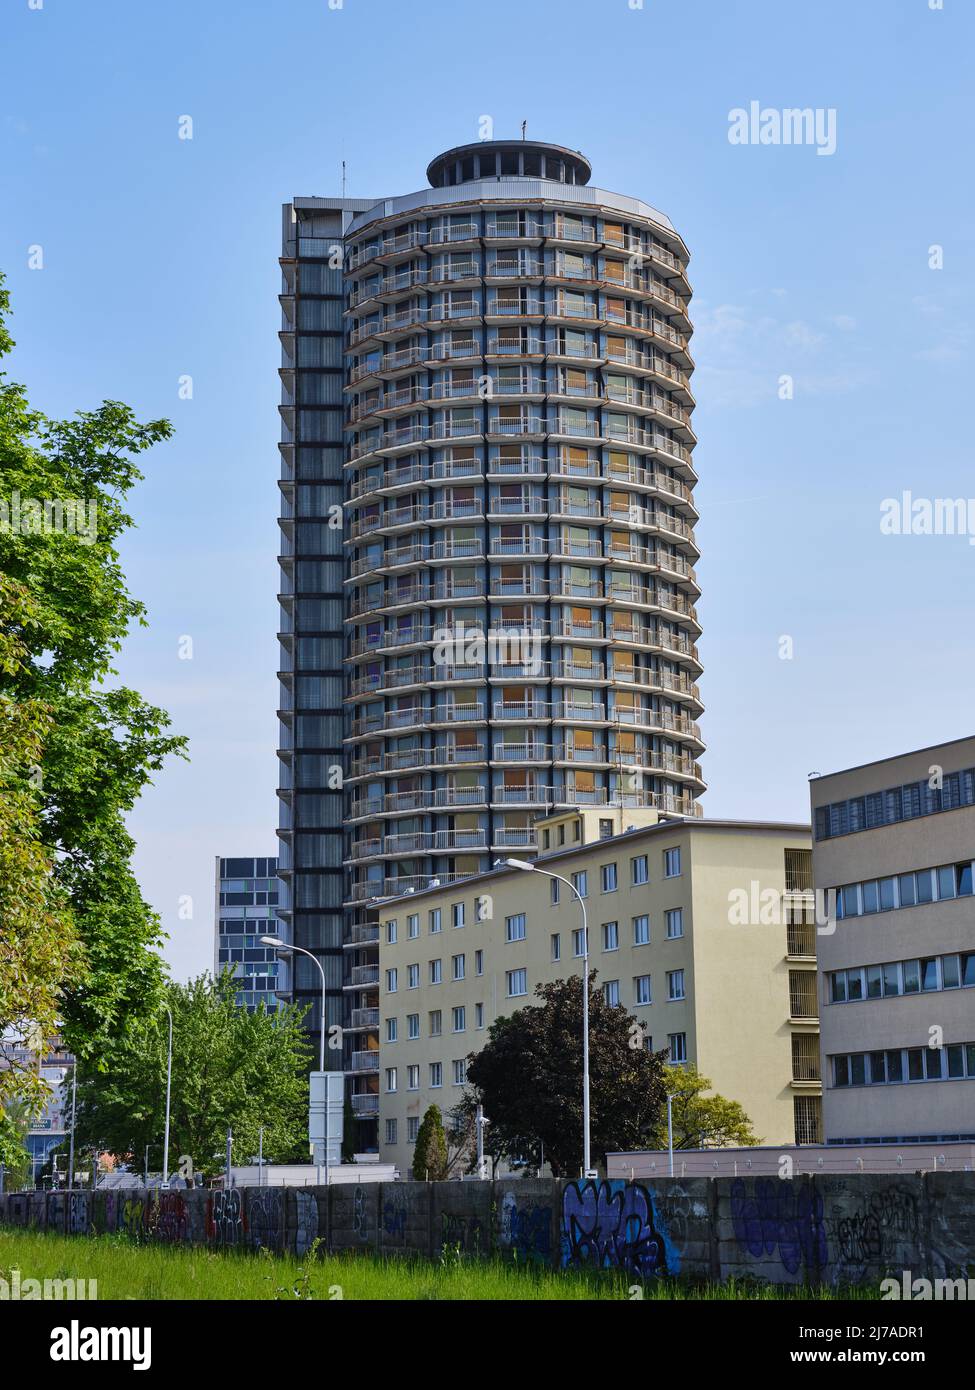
x=529, y=1079
x=701, y=1121
x=231, y=1069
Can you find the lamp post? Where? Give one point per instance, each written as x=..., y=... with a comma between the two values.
x=534, y=869
x=169, y=1083
x=287, y=951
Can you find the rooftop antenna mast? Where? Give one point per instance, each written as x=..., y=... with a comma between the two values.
x=524, y=127
x=343, y=178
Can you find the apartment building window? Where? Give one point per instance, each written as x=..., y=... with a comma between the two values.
x=578, y=942
x=482, y=908
x=413, y=976
x=457, y=914
x=412, y=1128
x=391, y=1027
x=605, y=829
x=478, y=1015
x=413, y=1077
x=436, y=1074
x=478, y=962
x=515, y=927
x=675, y=984
x=556, y=940
x=390, y=1079
x=553, y=890
x=459, y=1019
x=580, y=883
x=641, y=990
x=391, y=932
x=672, y=862
x=677, y=1047
x=517, y=983
x=436, y=972
x=641, y=931
x=675, y=923
x=436, y=1023
x=607, y=877
x=640, y=869
x=390, y=1131
x=460, y=1071
x=435, y=920
x=457, y=966
x=611, y=992
x=808, y=1115
x=391, y=980
x=412, y=1026
x=611, y=936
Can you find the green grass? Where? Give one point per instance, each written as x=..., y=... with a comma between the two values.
x=125, y=1270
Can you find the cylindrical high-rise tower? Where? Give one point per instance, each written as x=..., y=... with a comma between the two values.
x=520, y=519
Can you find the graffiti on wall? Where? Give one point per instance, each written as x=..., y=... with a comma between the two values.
x=306, y=1221
x=265, y=1218
x=782, y=1219
x=882, y=1232
x=169, y=1219
x=525, y=1228
x=79, y=1222
x=225, y=1217
x=458, y=1231
x=613, y=1225
x=394, y=1218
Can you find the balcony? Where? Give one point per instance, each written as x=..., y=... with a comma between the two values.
x=364, y=1018
x=801, y=939
x=367, y=1061
x=365, y=1105
x=364, y=975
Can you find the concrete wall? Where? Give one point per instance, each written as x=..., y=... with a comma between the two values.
x=829, y=1229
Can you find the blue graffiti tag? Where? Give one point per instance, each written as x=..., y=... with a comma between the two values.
x=779, y=1217
x=612, y=1225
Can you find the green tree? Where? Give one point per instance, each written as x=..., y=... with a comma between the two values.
x=528, y=1077
x=81, y=752
x=231, y=1069
x=430, y=1151
x=700, y=1121
x=15, y=1156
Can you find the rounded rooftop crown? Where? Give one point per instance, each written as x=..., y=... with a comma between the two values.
x=504, y=159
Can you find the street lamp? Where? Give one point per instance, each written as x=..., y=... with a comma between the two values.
x=283, y=950
x=169, y=1083
x=534, y=869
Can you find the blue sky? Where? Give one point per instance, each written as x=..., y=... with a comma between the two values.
x=160, y=260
